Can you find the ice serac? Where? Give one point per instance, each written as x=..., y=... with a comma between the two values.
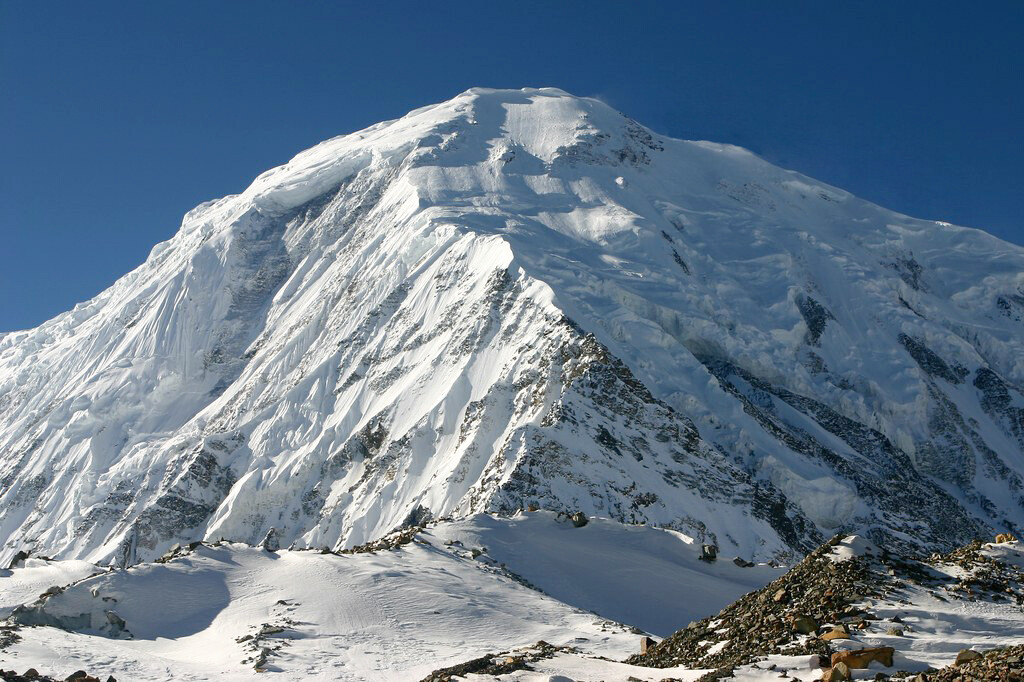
x=525, y=298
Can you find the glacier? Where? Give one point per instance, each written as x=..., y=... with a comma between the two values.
x=524, y=299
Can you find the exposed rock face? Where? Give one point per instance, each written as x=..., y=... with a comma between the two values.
x=878, y=471
x=516, y=299
x=816, y=316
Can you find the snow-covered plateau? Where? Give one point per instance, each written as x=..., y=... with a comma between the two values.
x=513, y=300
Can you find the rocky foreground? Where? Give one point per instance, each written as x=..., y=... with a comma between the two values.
x=823, y=608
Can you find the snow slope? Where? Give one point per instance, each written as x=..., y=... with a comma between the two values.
x=33, y=577
x=448, y=597
x=638, y=575
x=388, y=615
x=520, y=298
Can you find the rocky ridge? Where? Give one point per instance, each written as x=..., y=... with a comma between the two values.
x=828, y=601
x=780, y=618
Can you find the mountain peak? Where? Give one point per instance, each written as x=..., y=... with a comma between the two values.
x=480, y=124
x=522, y=298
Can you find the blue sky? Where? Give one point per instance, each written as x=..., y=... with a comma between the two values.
x=115, y=118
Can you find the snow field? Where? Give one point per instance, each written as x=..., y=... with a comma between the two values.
x=390, y=615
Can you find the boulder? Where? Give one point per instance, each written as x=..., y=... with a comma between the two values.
x=579, y=519
x=1005, y=537
x=80, y=676
x=117, y=625
x=966, y=656
x=836, y=633
x=840, y=672
x=645, y=644
x=862, y=658
x=805, y=625
x=779, y=596
x=708, y=553
x=271, y=542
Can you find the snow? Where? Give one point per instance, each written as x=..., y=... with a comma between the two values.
x=569, y=668
x=852, y=546
x=804, y=668
x=32, y=577
x=1011, y=553
x=643, y=576
x=389, y=615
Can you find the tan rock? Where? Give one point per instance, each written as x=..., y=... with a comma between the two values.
x=645, y=644
x=862, y=658
x=840, y=672
x=966, y=656
x=835, y=634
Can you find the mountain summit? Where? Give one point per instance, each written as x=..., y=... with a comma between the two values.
x=521, y=298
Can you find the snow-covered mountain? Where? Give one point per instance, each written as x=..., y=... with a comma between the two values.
x=516, y=299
